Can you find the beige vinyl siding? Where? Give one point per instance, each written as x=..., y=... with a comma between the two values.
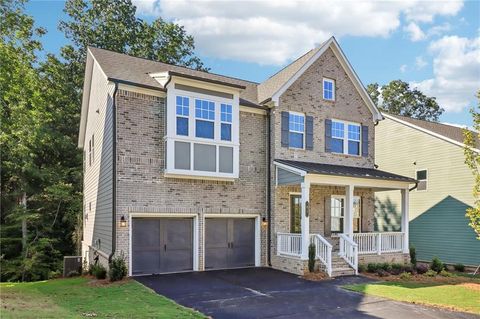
x=437, y=223
x=98, y=176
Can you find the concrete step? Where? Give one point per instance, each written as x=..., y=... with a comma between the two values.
x=338, y=272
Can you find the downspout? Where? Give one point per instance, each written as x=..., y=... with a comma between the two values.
x=269, y=196
x=114, y=174
x=414, y=187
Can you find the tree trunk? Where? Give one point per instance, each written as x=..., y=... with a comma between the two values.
x=23, y=203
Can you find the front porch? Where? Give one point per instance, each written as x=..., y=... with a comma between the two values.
x=336, y=213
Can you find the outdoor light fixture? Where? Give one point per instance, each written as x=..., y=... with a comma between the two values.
x=264, y=222
x=307, y=209
x=123, y=222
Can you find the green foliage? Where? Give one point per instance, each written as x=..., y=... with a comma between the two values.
x=436, y=265
x=413, y=256
x=311, y=257
x=118, y=268
x=73, y=273
x=405, y=276
x=445, y=273
x=472, y=159
x=459, y=267
x=99, y=271
x=362, y=268
x=397, y=269
x=422, y=268
x=398, y=98
x=431, y=273
x=382, y=273
x=372, y=267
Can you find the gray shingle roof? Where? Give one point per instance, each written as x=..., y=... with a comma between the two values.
x=348, y=171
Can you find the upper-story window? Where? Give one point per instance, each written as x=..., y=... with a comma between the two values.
x=205, y=119
x=345, y=138
x=226, y=122
x=329, y=89
x=296, y=128
x=183, y=106
x=422, y=180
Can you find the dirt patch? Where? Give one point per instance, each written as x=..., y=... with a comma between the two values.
x=316, y=276
x=105, y=282
x=427, y=280
x=472, y=286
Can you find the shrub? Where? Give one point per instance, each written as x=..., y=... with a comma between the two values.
x=445, y=273
x=405, y=276
x=397, y=269
x=436, y=265
x=73, y=273
x=431, y=273
x=459, y=267
x=372, y=267
x=362, y=268
x=118, y=268
x=382, y=273
x=413, y=255
x=99, y=271
x=91, y=269
x=422, y=268
x=386, y=266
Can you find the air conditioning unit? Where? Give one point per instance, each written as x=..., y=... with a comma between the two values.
x=72, y=263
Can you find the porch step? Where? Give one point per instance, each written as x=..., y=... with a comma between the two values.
x=340, y=267
x=337, y=272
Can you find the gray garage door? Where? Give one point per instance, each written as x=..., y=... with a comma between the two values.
x=162, y=245
x=229, y=243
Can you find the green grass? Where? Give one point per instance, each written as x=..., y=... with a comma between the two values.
x=453, y=296
x=76, y=298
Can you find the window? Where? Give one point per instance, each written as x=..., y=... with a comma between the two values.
x=346, y=138
x=337, y=214
x=205, y=119
x=226, y=122
x=353, y=139
x=338, y=130
x=422, y=180
x=182, y=115
x=328, y=89
x=296, y=128
x=295, y=213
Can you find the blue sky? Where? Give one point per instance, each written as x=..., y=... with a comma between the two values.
x=435, y=46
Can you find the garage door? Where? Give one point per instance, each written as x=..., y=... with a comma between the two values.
x=229, y=243
x=162, y=245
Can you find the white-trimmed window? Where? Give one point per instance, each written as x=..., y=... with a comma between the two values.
x=204, y=119
x=346, y=138
x=337, y=214
x=296, y=130
x=422, y=176
x=328, y=89
x=182, y=112
x=226, y=122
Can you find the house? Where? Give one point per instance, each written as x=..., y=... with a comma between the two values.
x=189, y=171
x=433, y=154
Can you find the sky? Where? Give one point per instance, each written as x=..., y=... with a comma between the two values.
x=433, y=45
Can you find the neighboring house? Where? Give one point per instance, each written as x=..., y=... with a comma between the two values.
x=433, y=154
x=187, y=170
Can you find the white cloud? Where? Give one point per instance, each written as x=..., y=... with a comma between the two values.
x=414, y=31
x=420, y=63
x=456, y=72
x=275, y=31
x=403, y=68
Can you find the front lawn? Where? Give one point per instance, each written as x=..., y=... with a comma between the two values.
x=82, y=297
x=456, y=296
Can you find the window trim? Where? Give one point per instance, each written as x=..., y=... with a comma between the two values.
x=182, y=115
x=298, y=132
x=346, y=139
x=290, y=196
x=226, y=121
x=426, y=179
x=343, y=217
x=214, y=121
x=332, y=81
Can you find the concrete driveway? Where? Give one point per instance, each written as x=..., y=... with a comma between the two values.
x=268, y=293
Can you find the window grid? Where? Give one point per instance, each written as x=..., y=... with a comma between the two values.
x=226, y=113
x=354, y=132
x=346, y=138
x=338, y=210
x=182, y=105
x=296, y=123
x=205, y=110
x=328, y=89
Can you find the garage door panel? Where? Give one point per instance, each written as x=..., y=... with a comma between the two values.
x=216, y=243
x=178, y=233
x=146, y=262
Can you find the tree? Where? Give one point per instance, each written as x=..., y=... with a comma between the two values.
x=398, y=98
x=472, y=159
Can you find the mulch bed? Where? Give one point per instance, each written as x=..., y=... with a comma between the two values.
x=316, y=276
x=472, y=282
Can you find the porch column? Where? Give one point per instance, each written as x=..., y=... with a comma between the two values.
x=305, y=221
x=405, y=194
x=348, y=211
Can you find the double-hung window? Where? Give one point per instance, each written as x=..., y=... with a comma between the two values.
x=182, y=112
x=346, y=138
x=337, y=214
x=296, y=128
x=204, y=119
x=328, y=89
x=226, y=122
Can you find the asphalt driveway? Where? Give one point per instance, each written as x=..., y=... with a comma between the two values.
x=268, y=293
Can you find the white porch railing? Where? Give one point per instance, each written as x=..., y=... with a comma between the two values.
x=323, y=251
x=378, y=243
x=289, y=244
x=349, y=251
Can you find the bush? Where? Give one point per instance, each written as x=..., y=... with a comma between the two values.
x=99, y=271
x=409, y=269
x=459, y=267
x=431, y=273
x=73, y=273
x=413, y=255
x=372, y=267
x=422, y=268
x=362, y=268
x=445, y=273
x=436, y=265
x=118, y=268
x=397, y=269
x=405, y=276
x=386, y=266
x=382, y=273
